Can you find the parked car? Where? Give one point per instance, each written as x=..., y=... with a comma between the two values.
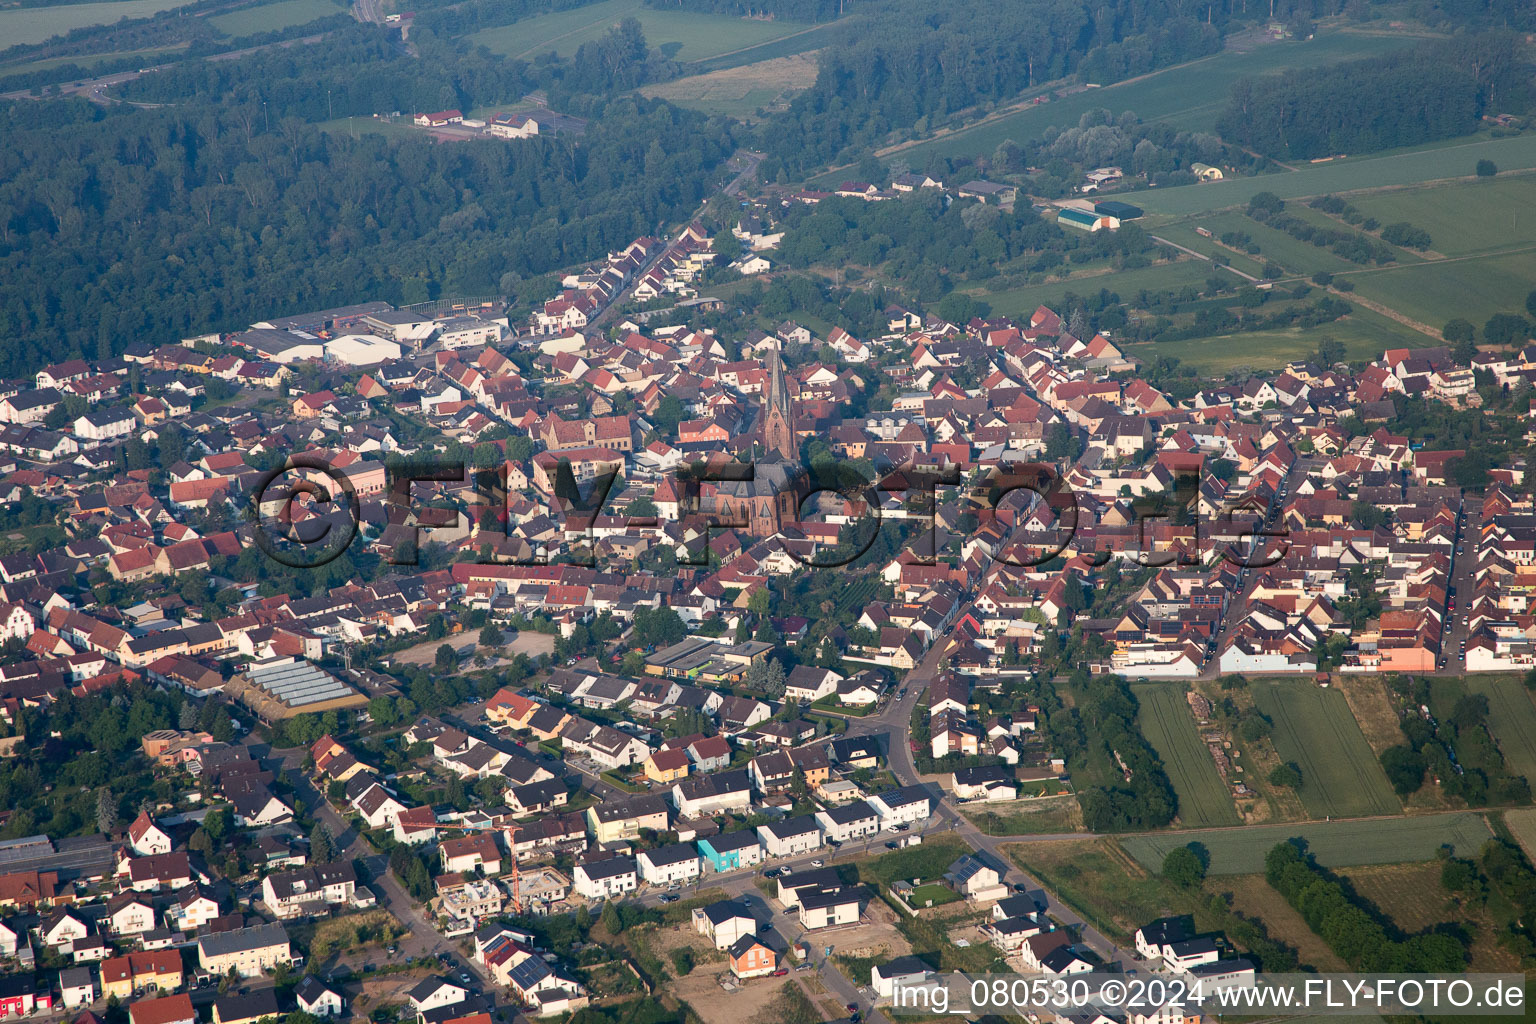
x=668, y=897
x=781, y=972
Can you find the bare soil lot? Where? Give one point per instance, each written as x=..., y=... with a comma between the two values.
x=467, y=644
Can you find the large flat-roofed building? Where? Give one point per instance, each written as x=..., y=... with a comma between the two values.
x=280, y=687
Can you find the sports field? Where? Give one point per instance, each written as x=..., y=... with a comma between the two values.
x=271, y=17
x=1511, y=719
x=1166, y=722
x=1336, y=844
x=1190, y=96
x=676, y=34
x=1341, y=778
x=36, y=24
x=1412, y=168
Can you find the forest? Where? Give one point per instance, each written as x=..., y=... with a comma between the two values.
x=123, y=225
x=906, y=74
x=1430, y=92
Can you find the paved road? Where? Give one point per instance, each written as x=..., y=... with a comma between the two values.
x=748, y=162
x=421, y=938
x=893, y=721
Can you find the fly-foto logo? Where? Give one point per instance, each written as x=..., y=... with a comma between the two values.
x=307, y=513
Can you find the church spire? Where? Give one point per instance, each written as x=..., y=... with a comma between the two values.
x=779, y=413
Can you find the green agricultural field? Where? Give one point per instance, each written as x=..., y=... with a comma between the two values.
x=1465, y=218
x=1434, y=163
x=1364, y=334
x=1336, y=844
x=1474, y=287
x=274, y=16
x=1315, y=728
x=678, y=35
x=1511, y=719
x=1159, y=277
x=1166, y=722
x=1297, y=257
x=1190, y=96
x=29, y=25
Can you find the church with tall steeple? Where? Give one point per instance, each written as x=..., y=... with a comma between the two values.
x=779, y=413
x=769, y=501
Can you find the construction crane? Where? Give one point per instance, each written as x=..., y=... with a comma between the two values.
x=510, y=831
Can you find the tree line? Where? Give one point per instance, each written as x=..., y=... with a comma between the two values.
x=1353, y=931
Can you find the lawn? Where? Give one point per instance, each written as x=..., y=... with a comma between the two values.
x=1341, y=778
x=1190, y=96
x=934, y=894
x=1511, y=719
x=925, y=862
x=274, y=16
x=1336, y=844
x=28, y=25
x=679, y=35
x=1411, y=896
x=1411, y=168
x=1166, y=722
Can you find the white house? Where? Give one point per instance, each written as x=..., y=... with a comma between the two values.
x=604, y=878
x=850, y=821
x=377, y=807
x=824, y=908
x=724, y=922
x=904, y=970
x=146, y=838
x=435, y=993
x=318, y=999
x=807, y=683
x=105, y=424
x=77, y=987
x=678, y=862
x=130, y=914
x=905, y=806
x=790, y=837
